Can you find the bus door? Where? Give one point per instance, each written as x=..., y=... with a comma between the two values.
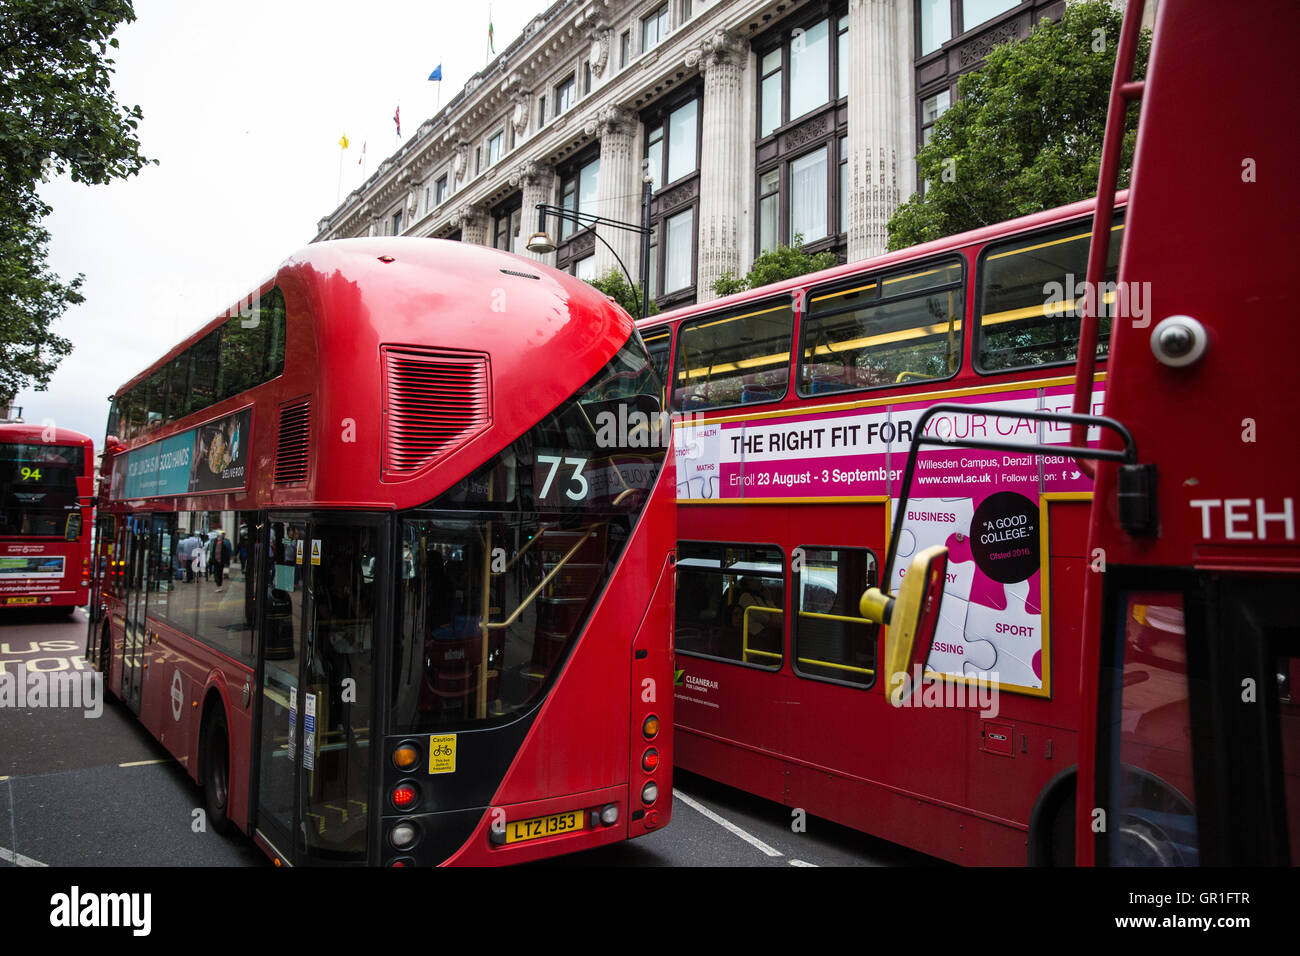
x=139, y=546
x=317, y=686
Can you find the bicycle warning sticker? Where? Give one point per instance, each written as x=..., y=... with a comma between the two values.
x=442, y=753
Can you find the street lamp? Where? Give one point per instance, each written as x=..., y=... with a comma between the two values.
x=541, y=243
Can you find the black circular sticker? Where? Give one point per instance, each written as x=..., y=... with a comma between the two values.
x=1004, y=537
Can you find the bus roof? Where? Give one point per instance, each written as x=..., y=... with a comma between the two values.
x=38, y=434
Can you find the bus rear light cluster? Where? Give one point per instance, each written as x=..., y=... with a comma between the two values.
x=651, y=727
x=650, y=760
x=405, y=795
x=404, y=834
x=650, y=793
x=406, y=755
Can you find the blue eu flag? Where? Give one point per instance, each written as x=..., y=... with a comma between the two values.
x=437, y=73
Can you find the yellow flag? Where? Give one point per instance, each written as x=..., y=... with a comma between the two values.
x=343, y=141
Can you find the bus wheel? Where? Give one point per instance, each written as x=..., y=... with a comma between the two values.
x=102, y=661
x=216, y=770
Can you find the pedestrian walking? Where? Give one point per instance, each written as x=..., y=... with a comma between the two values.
x=220, y=557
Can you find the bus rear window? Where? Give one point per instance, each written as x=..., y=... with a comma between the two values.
x=1032, y=296
x=890, y=330
x=733, y=360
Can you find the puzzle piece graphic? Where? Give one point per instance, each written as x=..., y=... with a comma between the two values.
x=923, y=533
x=1013, y=631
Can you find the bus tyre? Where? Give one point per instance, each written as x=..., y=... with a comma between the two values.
x=216, y=771
x=103, y=662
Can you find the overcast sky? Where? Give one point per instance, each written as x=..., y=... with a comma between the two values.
x=244, y=102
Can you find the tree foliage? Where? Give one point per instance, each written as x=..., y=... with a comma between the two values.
x=1026, y=131
x=783, y=262
x=58, y=116
x=615, y=286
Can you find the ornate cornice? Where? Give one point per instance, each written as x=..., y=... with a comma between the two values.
x=468, y=215
x=530, y=173
x=717, y=49
x=610, y=119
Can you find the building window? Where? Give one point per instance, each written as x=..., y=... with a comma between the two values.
x=936, y=24
x=975, y=12
x=932, y=107
x=842, y=58
x=654, y=28
x=494, y=149
x=686, y=11
x=506, y=221
x=769, y=210
x=797, y=77
x=672, y=145
x=585, y=268
x=679, y=259
x=624, y=48
x=586, y=78
x=808, y=201
x=802, y=179
x=397, y=223
x=440, y=190
x=578, y=193
x=541, y=112
x=937, y=18
x=810, y=59
x=672, y=153
x=563, y=96
x=770, y=93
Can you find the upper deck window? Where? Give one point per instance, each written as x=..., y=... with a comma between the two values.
x=892, y=329
x=247, y=350
x=1032, y=295
x=733, y=360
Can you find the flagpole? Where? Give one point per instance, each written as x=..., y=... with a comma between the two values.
x=338, y=193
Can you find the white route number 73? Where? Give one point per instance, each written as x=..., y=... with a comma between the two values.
x=577, y=477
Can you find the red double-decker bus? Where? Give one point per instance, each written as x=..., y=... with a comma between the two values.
x=1189, y=744
x=796, y=405
x=46, y=491
x=383, y=575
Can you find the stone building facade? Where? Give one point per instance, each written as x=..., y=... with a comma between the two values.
x=759, y=121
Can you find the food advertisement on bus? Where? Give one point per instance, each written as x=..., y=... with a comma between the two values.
x=211, y=457
x=985, y=506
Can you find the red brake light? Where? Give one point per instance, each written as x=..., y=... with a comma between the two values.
x=650, y=760
x=404, y=796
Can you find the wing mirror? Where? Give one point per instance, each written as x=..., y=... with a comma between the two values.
x=911, y=617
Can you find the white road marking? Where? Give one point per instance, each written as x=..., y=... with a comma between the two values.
x=726, y=824
x=141, y=763
x=802, y=863
x=18, y=859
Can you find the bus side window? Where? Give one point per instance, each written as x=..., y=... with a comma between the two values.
x=733, y=360
x=1031, y=297
x=832, y=641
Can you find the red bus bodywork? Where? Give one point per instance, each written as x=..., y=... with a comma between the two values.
x=978, y=790
x=39, y=566
x=576, y=748
x=1191, y=742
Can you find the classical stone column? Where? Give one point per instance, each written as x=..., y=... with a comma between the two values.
x=473, y=223
x=721, y=59
x=619, y=188
x=873, y=125
x=537, y=183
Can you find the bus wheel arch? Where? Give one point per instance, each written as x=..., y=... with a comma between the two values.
x=1051, y=822
x=214, y=762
